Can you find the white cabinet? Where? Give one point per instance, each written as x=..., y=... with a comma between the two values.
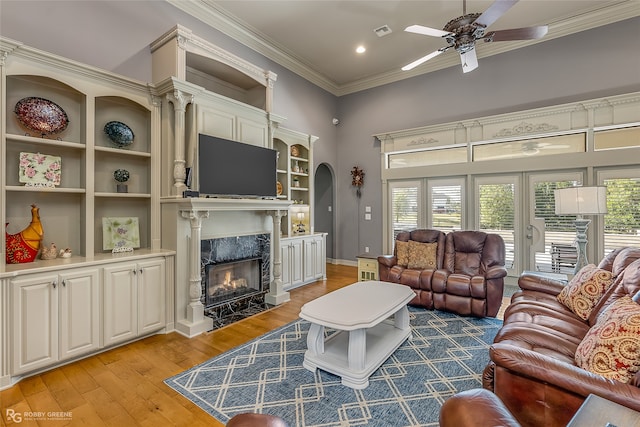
x=314, y=258
x=303, y=259
x=74, y=311
x=134, y=300
x=55, y=317
x=291, y=262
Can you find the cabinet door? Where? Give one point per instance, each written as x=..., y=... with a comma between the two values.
x=35, y=322
x=309, y=259
x=79, y=293
x=319, y=258
x=286, y=265
x=151, y=296
x=314, y=258
x=120, y=303
x=296, y=262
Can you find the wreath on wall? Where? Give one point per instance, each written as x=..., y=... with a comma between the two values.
x=357, y=179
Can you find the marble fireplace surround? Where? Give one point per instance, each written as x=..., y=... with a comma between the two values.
x=202, y=218
x=222, y=252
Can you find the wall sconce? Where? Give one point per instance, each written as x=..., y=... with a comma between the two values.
x=581, y=201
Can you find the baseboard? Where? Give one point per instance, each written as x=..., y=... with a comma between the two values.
x=348, y=262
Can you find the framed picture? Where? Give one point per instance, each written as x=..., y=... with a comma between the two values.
x=120, y=232
x=40, y=169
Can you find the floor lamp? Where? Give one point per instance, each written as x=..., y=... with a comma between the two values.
x=581, y=201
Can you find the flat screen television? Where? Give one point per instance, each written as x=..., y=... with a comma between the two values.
x=235, y=169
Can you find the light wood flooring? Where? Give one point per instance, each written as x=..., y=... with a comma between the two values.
x=124, y=387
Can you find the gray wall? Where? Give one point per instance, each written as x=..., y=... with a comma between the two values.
x=600, y=62
x=115, y=35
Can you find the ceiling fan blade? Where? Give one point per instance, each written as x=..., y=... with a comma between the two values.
x=422, y=60
x=419, y=29
x=469, y=61
x=528, y=33
x=495, y=11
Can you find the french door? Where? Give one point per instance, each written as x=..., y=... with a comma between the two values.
x=524, y=215
x=521, y=208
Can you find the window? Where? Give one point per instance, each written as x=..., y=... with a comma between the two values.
x=445, y=203
x=617, y=138
x=622, y=221
x=497, y=210
x=405, y=200
x=573, y=143
x=559, y=231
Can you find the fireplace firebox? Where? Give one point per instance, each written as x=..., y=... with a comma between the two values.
x=227, y=282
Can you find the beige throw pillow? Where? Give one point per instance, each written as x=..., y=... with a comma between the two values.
x=585, y=289
x=422, y=256
x=402, y=253
x=611, y=348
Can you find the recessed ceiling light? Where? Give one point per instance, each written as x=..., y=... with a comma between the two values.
x=361, y=49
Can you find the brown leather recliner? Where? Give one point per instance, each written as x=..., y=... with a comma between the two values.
x=471, y=282
x=475, y=408
x=418, y=280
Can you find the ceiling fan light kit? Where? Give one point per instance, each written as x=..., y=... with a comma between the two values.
x=461, y=34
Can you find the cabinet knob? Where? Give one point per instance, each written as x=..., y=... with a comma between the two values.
x=64, y=283
x=54, y=284
x=140, y=271
x=135, y=271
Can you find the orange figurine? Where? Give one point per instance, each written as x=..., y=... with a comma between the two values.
x=24, y=246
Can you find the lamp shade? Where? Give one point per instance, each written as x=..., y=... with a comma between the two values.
x=581, y=201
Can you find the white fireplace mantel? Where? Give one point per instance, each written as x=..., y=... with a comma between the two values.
x=190, y=318
x=227, y=204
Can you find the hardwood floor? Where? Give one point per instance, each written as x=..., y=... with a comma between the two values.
x=124, y=386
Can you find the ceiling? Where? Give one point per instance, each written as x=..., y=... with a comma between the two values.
x=317, y=38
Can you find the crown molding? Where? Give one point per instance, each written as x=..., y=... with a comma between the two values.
x=208, y=12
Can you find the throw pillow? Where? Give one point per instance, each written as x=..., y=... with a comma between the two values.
x=585, y=289
x=402, y=253
x=422, y=255
x=611, y=348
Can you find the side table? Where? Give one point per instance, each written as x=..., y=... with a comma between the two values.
x=600, y=412
x=367, y=267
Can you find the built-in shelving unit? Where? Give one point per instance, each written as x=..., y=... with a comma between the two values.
x=295, y=166
x=72, y=212
x=111, y=298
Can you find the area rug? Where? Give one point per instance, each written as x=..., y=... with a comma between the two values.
x=445, y=355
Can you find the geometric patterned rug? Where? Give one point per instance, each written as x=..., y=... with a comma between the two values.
x=446, y=354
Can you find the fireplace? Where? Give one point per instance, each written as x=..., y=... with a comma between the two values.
x=236, y=273
x=229, y=281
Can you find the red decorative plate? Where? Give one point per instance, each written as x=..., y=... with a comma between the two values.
x=41, y=115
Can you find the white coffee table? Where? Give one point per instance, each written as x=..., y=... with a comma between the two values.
x=365, y=337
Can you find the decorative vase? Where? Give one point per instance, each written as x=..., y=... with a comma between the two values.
x=23, y=247
x=122, y=176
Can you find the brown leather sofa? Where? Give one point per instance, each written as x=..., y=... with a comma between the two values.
x=467, y=277
x=532, y=368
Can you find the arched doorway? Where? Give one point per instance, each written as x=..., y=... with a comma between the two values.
x=324, y=215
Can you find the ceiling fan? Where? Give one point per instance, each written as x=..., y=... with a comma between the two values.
x=462, y=33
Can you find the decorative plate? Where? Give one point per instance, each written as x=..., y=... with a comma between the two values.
x=120, y=233
x=294, y=151
x=119, y=133
x=39, y=169
x=41, y=115
x=278, y=188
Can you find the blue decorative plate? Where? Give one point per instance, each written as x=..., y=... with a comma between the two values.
x=119, y=133
x=41, y=115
